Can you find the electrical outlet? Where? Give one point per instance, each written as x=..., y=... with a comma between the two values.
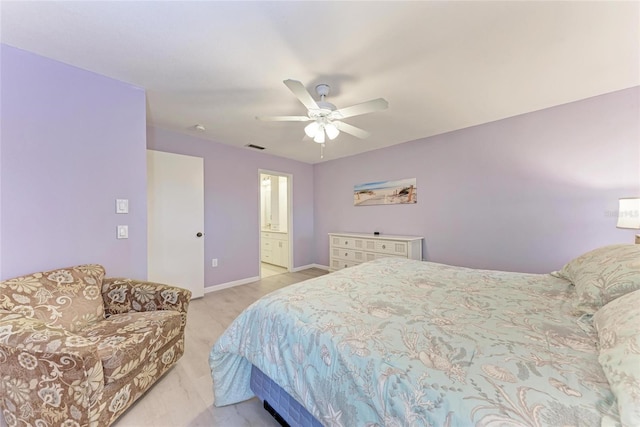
x=214, y=262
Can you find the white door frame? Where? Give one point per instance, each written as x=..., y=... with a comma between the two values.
x=289, y=216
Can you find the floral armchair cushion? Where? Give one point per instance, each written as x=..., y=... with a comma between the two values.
x=69, y=297
x=618, y=325
x=603, y=274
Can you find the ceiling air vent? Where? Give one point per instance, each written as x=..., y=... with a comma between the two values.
x=257, y=147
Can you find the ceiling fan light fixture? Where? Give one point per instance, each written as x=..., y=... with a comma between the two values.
x=332, y=131
x=319, y=138
x=312, y=129
x=325, y=120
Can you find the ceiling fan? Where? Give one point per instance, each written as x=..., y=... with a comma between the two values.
x=325, y=118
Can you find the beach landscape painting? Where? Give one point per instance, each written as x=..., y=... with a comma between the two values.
x=400, y=191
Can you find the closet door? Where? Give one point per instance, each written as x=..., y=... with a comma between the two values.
x=175, y=227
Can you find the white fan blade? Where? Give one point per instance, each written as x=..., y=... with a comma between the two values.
x=358, y=109
x=351, y=130
x=302, y=94
x=283, y=118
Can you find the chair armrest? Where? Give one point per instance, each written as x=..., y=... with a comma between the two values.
x=47, y=372
x=126, y=295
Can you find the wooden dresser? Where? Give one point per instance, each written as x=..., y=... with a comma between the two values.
x=349, y=249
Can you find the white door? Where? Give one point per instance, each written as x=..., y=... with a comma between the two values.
x=175, y=210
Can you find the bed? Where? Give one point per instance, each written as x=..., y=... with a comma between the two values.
x=396, y=342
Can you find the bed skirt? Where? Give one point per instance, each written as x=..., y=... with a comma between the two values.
x=285, y=406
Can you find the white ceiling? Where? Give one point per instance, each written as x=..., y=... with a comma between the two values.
x=441, y=65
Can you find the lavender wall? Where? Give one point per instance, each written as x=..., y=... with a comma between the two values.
x=232, y=203
x=72, y=142
x=526, y=193
x=1, y=274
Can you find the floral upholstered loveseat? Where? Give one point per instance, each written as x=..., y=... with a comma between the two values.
x=78, y=348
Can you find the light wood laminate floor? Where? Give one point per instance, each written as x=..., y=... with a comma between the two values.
x=268, y=270
x=184, y=396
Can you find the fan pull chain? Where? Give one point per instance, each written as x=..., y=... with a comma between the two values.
x=322, y=151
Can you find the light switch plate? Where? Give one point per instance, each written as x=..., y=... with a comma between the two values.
x=122, y=206
x=123, y=232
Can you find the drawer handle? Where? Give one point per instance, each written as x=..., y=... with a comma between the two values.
x=345, y=266
x=384, y=246
x=346, y=242
x=346, y=254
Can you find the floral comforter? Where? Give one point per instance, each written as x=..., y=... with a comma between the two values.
x=396, y=342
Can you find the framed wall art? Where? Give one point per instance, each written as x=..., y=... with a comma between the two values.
x=401, y=191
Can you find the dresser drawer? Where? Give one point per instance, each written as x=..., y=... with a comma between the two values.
x=391, y=247
x=337, y=264
x=343, y=242
x=353, y=243
x=349, y=254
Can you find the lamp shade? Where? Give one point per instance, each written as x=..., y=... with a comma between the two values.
x=629, y=213
x=312, y=129
x=319, y=138
x=332, y=131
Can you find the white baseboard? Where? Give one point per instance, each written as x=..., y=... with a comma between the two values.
x=304, y=267
x=231, y=284
x=248, y=280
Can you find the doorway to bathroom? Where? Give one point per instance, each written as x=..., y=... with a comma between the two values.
x=275, y=223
